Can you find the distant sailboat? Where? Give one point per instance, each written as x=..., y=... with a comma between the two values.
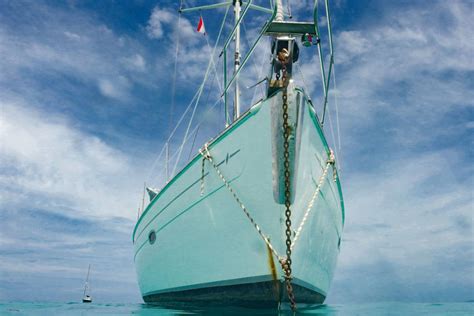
x=87, y=298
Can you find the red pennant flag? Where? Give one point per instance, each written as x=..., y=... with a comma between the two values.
x=201, y=28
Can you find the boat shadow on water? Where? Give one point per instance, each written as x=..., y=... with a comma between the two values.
x=179, y=308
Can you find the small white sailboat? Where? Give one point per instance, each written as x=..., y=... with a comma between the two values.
x=86, y=297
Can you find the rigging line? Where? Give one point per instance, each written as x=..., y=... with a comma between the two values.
x=259, y=76
x=204, y=116
x=338, y=128
x=182, y=116
x=210, y=88
x=200, y=93
x=331, y=126
x=195, y=129
x=329, y=117
x=248, y=44
x=288, y=5
x=153, y=166
x=185, y=138
x=201, y=89
x=306, y=88
x=214, y=66
x=217, y=41
x=173, y=87
x=253, y=60
x=187, y=108
x=209, y=94
x=198, y=125
x=194, y=141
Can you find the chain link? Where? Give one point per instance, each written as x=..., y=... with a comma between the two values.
x=283, y=57
x=285, y=262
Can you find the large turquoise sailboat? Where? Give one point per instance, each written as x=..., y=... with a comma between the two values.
x=256, y=217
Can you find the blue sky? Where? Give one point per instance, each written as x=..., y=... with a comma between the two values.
x=85, y=97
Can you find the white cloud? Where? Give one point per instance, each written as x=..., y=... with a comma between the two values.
x=136, y=62
x=107, y=88
x=404, y=222
x=413, y=69
x=114, y=88
x=87, y=51
x=405, y=91
x=72, y=36
x=164, y=23
x=193, y=53
x=159, y=17
x=51, y=163
x=413, y=47
x=408, y=209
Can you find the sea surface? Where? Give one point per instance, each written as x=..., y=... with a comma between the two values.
x=22, y=308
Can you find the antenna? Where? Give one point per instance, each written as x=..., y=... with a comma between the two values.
x=237, y=59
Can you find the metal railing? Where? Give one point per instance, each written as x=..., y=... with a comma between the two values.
x=325, y=78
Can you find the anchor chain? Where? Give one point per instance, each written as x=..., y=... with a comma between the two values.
x=285, y=262
x=283, y=57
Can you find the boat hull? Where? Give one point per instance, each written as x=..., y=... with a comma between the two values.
x=253, y=294
x=194, y=242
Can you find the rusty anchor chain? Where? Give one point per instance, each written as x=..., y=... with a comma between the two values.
x=283, y=57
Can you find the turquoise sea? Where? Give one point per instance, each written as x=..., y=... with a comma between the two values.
x=22, y=308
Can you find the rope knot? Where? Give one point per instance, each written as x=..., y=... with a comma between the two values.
x=332, y=157
x=205, y=152
x=205, y=156
x=332, y=161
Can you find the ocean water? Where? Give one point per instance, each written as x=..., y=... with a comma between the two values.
x=22, y=308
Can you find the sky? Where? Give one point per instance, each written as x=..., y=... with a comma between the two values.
x=90, y=91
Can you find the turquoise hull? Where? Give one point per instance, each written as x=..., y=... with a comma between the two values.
x=206, y=249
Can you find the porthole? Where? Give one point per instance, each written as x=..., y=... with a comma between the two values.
x=152, y=237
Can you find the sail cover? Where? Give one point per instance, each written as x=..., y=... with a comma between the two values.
x=152, y=193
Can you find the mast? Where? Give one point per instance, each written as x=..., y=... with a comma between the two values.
x=279, y=15
x=235, y=35
x=237, y=4
x=87, y=280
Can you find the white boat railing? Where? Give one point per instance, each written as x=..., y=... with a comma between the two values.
x=325, y=78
